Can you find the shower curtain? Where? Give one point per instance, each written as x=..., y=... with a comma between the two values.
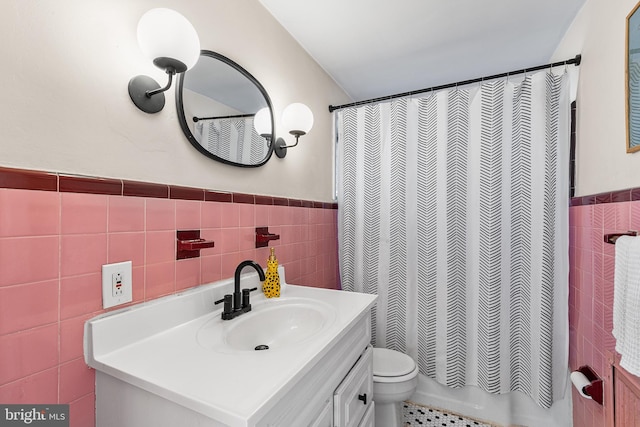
x=233, y=139
x=453, y=209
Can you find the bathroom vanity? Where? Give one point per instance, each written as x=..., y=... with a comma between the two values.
x=174, y=361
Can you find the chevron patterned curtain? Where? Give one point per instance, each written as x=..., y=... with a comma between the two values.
x=453, y=209
x=233, y=139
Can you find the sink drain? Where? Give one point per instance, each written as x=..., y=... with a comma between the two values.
x=261, y=347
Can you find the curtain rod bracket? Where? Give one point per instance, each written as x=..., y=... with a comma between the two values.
x=577, y=60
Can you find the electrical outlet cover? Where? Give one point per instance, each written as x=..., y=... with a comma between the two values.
x=109, y=297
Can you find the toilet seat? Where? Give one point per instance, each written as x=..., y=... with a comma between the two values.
x=392, y=366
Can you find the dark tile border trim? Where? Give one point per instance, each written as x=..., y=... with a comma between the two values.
x=28, y=180
x=186, y=193
x=65, y=183
x=627, y=195
x=145, y=189
x=214, y=196
x=81, y=184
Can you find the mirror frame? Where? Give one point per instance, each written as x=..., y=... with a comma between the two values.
x=632, y=82
x=183, y=120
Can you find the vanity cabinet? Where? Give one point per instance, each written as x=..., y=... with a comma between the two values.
x=165, y=373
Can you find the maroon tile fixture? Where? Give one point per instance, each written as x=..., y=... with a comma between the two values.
x=612, y=237
x=189, y=243
x=263, y=237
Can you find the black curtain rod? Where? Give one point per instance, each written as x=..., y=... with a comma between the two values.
x=239, y=116
x=576, y=61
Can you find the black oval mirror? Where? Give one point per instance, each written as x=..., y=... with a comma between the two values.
x=217, y=101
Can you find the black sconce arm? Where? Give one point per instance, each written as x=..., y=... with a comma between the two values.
x=150, y=93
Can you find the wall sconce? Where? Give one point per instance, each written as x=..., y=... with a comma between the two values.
x=297, y=119
x=170, y=40
x=262, y=123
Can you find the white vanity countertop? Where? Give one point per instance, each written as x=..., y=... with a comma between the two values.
x=153, y=346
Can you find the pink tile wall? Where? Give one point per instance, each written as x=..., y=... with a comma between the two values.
x=52, y=247
x=591, y=293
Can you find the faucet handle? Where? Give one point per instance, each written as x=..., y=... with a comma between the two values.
x=245, y=297
x=227, y=310
x=227, y=303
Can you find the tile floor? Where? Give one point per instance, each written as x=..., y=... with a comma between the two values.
x=416, y=415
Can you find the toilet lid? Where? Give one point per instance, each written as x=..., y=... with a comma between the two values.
x=391, y=363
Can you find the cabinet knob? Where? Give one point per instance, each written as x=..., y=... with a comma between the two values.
x=363, y=397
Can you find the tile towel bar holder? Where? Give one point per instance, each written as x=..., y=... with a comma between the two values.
x=189, y=243
x=263, y=237
x=612, y=237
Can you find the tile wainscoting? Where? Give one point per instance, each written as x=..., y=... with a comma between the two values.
x=56, y=231
x=591, y=287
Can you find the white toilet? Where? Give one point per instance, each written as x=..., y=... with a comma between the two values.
x=395, y=378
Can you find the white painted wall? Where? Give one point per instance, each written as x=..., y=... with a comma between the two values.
x=65, y=106
x=599, y=33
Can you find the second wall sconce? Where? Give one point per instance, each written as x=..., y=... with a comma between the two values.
x=170, y=40
x=297, y=120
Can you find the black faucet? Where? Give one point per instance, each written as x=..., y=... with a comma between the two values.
x=238, y=303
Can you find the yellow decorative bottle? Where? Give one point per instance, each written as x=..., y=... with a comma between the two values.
x=271, y=285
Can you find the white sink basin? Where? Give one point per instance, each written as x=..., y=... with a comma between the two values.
x=271, y=325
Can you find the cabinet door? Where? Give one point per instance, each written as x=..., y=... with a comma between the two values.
x=325, y=417
x=354, y=395
x=627, y=398
x=368, y=420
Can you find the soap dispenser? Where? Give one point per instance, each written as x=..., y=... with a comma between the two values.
x=271, y=285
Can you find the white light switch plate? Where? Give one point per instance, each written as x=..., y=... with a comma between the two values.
x=117, y=286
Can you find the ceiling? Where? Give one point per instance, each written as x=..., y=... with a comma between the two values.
x=375, y=48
